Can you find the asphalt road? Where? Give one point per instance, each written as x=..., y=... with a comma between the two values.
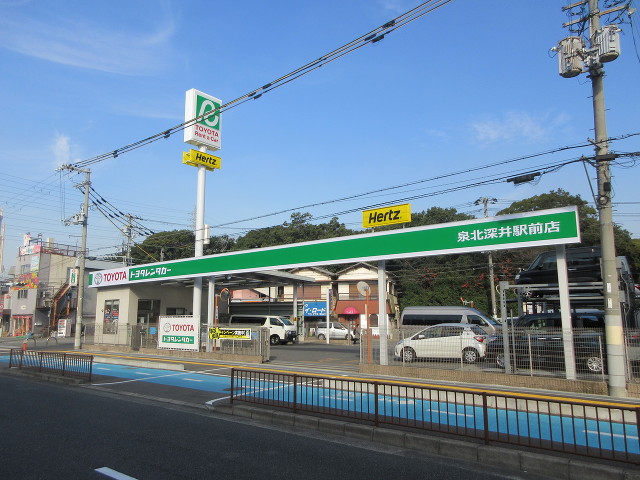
x=52, y=432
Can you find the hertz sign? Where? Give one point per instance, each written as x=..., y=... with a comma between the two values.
x=386, y=215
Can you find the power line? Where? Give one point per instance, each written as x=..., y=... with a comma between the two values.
x=371, y=37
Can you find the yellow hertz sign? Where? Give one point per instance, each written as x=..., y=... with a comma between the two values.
x=195, y=158
x=386, y=215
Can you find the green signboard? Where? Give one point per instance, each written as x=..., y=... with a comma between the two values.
x=545, y=227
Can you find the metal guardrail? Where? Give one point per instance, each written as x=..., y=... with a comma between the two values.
x=65, y=364
x=600, y=430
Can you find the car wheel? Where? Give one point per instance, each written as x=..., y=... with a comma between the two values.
x=594, y=364
x=321, y=337
x=274, y=340
x=500, y=360
x=470, y=355
x=408, y=354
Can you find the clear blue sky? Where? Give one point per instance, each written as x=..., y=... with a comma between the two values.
x=471, y=84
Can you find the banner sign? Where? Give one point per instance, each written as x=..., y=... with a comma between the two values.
x=556, y=226
x=179, y=333
x=204, y=132
x=234, y=333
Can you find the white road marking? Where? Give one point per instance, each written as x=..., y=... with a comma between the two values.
x=612, y=434
x=186, y=372
x=109, y=472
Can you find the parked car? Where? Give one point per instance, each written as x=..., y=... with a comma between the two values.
x=583, y=265
x=537, y=342
x=448, y=340
x=336, y=330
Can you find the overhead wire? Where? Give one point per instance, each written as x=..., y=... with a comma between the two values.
x=371, y=37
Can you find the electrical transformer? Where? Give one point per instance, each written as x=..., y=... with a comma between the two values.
x=608, y=42
x=570, y=53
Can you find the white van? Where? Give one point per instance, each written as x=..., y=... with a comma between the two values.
x=431, y=315
x=281, y=329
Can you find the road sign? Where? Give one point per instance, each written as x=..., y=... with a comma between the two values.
x=556, y=226
x=205, y=131
x=386, y=215
x=196, y=158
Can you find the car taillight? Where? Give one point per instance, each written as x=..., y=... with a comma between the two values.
x=480, y=338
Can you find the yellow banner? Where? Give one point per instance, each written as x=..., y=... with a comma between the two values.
x=195, y=158
x=386, y=215
x=236, y=333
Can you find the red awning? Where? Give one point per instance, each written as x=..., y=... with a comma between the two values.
x=350, y=311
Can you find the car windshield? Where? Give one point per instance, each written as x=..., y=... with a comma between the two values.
x=286, y=321
x=477, y=319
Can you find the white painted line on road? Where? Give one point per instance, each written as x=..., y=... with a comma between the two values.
x=209, y=402
x=612, y=434
x=158, y=376
x=109, y=472
x=133, y=380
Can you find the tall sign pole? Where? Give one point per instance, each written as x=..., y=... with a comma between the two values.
x=202, y=113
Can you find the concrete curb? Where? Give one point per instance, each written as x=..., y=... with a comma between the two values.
x=542, y=464
x=140, y=363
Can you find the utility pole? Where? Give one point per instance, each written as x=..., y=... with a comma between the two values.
x=492, y=284
x=603, y=47
x=80, y=218
x=1, y=239
x=128, y=232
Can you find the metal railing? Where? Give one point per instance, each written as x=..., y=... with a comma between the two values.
x=64, y=364
x=601, y=430
x=533, y=352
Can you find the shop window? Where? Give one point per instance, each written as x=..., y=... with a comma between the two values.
x=176, y=311
x=23, y=293
x=111, y=314
x=148, y=311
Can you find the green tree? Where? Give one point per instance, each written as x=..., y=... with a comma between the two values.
x=176, y=244
x=297, y=229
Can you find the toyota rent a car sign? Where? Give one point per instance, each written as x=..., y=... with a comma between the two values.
x=178, y=333
x=205, y=131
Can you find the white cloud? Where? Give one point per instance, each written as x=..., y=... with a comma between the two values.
x=61, y=149
x=399, y=6
x=516, y=126
x=87, y=45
